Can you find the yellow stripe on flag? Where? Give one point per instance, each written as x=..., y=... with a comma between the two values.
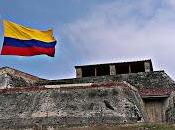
x=17, y=31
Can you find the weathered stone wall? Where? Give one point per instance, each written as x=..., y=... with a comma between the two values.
x=17, y=73
x=170, y=109
x=10, y=81
x=75, y=107
x=52, y=107
x=143, y=79
x=10, y=78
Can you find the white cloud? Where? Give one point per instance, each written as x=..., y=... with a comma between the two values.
x=127, y=31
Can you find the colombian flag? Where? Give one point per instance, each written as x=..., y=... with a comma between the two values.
x=24, y=41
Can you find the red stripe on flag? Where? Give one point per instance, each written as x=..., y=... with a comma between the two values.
x=27, y=51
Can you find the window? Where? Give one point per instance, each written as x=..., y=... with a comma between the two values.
x=103, y=70
x=88, y=71
x=122, y=68
x=137, y=67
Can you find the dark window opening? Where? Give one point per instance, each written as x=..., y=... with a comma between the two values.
x=137, y=67
x=88, y=71
x=122, y=68
x=103, y=70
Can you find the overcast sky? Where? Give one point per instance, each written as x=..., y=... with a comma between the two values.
x=94, y=31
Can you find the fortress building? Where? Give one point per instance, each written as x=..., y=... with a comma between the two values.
x=113, y=93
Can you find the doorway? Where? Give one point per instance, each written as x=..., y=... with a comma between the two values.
x=154, y=108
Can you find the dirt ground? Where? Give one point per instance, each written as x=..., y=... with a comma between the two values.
x=127, y=127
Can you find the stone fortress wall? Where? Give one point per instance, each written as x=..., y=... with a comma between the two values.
x=129, y=96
